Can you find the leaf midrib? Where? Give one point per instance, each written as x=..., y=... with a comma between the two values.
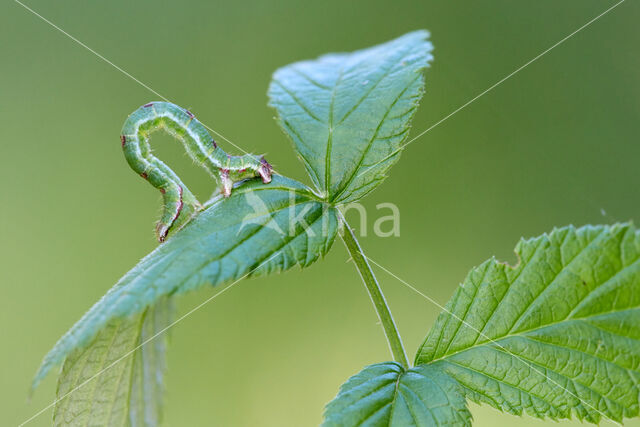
x=365, y=152
x=464, y=316
x=395, y=394
x=491, y=377
x=523, y=332
x=555, y=383
x=427, y=410
x=175, y=254
x=577, y=350
x=327, y=159
x=260, y=228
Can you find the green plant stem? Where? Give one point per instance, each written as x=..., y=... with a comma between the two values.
x=377, y=297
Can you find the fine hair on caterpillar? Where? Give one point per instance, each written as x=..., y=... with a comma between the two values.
x=179, y=204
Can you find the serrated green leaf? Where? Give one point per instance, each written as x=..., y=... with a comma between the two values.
x=348, y=113
x=555, y=336
x=118, y=379
x=258, y=230
x=385, y=394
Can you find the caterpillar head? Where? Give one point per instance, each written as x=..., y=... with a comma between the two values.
x=265, y=170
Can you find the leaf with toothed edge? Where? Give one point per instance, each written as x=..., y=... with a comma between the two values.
x=119, y=378
x=556, y=336
x=386, y=394
x=260, y=229
x=254, y=232
x=348, y=113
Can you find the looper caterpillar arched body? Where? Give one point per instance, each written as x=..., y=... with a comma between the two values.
x=179, y=204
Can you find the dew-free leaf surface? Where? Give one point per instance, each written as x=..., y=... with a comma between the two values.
x=260, y=229
x=385, y=394
x=119, y=378
x=348, y=113
x=557, y=336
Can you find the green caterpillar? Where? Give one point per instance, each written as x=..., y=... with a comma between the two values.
x=180, y=205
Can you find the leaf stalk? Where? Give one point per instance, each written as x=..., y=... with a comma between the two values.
x=375, y=293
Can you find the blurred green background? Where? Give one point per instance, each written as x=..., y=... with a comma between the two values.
x=556, y=144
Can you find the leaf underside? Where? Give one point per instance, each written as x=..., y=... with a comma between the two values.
x=260, y=229
x=556, y=336
x=348, y=113
x=119, y=378
x=146, y=396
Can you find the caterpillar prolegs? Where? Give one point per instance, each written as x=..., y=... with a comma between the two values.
x=179, y=204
